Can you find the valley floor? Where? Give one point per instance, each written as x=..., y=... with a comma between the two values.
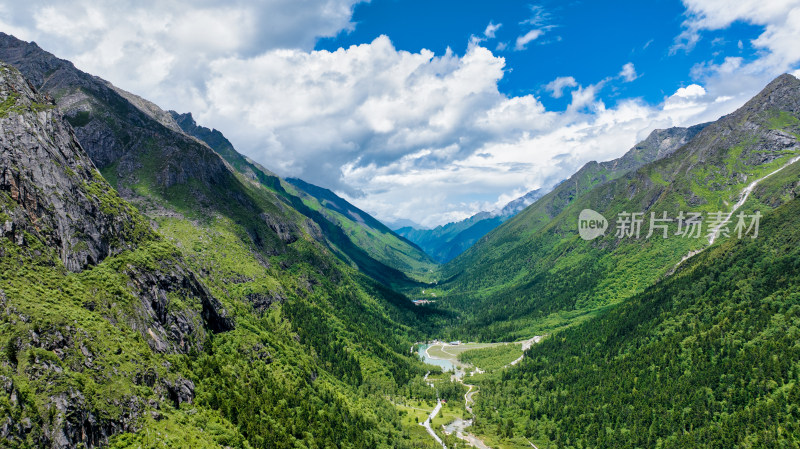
x=463, y=364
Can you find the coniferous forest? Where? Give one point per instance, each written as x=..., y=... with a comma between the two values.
x=161, y=289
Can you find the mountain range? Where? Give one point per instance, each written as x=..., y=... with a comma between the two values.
x=160, y=309
x=536, y=265
x=354, y=235
x=445, y=242
x=670, y=341
x=160, y=289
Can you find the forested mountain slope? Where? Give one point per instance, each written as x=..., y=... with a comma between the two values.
x=94, y=303
x=160, y=289
x=143, y=152
x=708, y=358
x=535, y=273
x=445, y=243
x=366, y=232
x=144, y=340
x=358, y=237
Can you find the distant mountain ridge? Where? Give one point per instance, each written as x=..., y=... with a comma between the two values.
x=334, y=202
x=444, y=243
x=354, y=234
x=659, y=144
x=517, y=205
x=217, y=141
x=515, y=278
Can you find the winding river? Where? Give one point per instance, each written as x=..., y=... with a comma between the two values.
x=446, y=365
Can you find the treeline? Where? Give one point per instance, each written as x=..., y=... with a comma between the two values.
x=707, y=358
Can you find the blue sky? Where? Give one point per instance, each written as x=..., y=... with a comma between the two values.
x=427, y=110
x=588, y=40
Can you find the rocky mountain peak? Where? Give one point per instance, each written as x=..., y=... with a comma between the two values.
x=515, y=206
x=781, y=93
x=49, y=186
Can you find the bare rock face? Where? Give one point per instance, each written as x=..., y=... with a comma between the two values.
x=754, y=129
x=55, y=206
x=168, y=330
x=658, y=145
x=52, y=189
x=288, y=232
x=114, y=126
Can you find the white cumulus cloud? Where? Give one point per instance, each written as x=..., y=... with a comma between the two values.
x=780, y=20
x=557, y=86
x=162, y=49
x=628, y=72
x=690, y=91
x=491, y=30
x=527, y=38
x=418, y=135
x=422, y=136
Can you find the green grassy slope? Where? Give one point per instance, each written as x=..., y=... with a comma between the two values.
x=357, y=237
x=380, y=242
x=534, y=273
x=706, y=358
x=316, y=343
